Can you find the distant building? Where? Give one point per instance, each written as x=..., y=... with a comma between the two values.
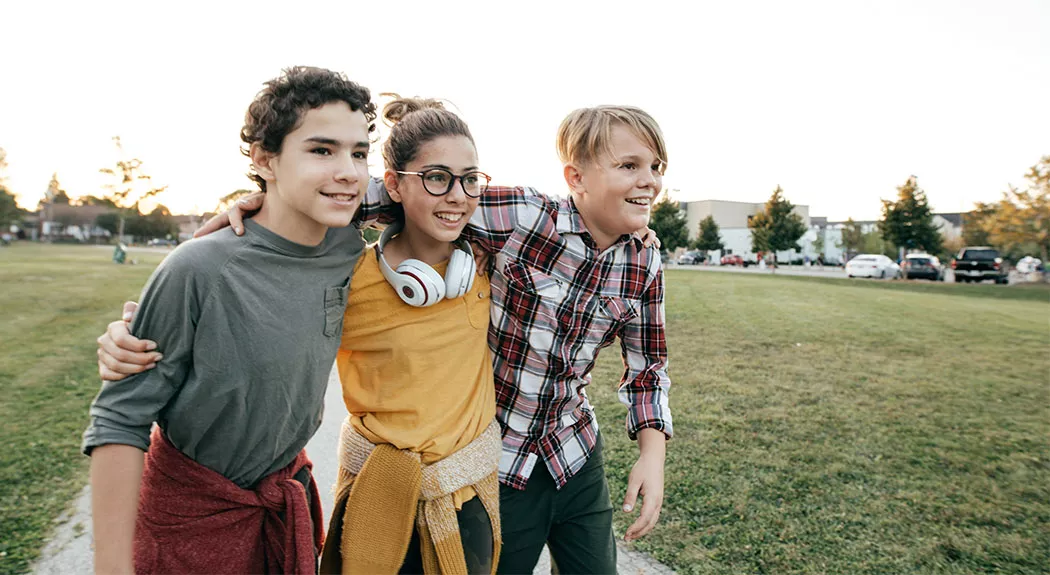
x=732, y=218
x=950, y=225
x=67, y=222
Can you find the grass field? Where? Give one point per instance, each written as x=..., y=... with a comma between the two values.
x=54, y=303
x=822, y=426
x=831, y=426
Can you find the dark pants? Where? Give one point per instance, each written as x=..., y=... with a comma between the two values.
x=475, y=531
x=575, y=522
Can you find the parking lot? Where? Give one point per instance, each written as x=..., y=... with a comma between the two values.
x=826, y=271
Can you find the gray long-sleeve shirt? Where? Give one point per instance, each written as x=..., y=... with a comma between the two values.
x=249, y=327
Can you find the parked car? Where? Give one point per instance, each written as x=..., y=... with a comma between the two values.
x=922, y=266
x=733, y=260
x=691, y=258
x=872, y=266
x=979, y=263
x=158, y=242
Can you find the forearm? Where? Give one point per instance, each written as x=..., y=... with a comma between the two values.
x=652, y=443
x=116, y=472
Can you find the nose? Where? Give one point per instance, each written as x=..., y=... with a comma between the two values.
x=348, y=171
x=458, y=193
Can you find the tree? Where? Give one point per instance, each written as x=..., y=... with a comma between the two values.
x=760, y=225
x=975, y=224
x=908, y=222
x=10, y=213
x=1021, y=220
x=819, y=241
x=777, y=227
x=708, y=237
x=55, y=194
x=226, y=201
x=130, y=185
x=9, y=210
x=669, y=223
x=852, y=239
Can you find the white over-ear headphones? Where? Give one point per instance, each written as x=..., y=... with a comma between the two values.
x=418, y=284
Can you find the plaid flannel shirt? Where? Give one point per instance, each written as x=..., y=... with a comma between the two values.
x=557, y=301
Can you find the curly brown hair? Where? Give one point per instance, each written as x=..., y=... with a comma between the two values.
x=278, y=109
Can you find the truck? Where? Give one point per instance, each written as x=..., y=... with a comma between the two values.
x=979, y=263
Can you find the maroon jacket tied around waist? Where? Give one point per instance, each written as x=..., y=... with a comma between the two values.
x=194, y=520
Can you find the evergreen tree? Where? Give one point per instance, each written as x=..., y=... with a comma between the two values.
x=908, y=222
x=669, y=223
x=708, y=237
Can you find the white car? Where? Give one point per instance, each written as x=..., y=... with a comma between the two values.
x=873, y=266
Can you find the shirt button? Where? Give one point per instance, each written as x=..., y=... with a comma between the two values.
x=481, y=295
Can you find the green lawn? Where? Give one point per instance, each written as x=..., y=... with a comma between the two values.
x=822, y=426
x=834, y=426
x=55, y=301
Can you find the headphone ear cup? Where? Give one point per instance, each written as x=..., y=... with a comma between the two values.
x=422, y=286
x=459, y=277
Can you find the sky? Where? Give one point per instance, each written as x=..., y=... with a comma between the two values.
x=837, y=102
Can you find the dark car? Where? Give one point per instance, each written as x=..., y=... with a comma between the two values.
x=922, y=266
x=979, y=263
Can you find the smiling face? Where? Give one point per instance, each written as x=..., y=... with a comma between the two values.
x=438, y=219
x=614, y=192
x=318, y=179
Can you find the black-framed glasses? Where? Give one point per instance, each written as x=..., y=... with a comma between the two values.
x=439, y=181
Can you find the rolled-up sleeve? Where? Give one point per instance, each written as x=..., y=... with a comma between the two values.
x=644, y=387
x=124, y=411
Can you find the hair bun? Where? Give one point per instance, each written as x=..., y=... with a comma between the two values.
x=395, y=110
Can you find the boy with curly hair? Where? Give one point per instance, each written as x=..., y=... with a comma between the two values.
x=250, y=327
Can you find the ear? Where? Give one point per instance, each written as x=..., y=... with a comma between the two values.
x=574, y=178
x=391, y=182
x=262, y=162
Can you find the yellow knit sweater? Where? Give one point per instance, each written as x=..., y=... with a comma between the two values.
x=384, y=492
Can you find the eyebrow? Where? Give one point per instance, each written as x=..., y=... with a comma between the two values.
x=636, y=158
x=444, y=167
x=334, y=142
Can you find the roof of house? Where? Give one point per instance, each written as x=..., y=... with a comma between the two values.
x=956, y=219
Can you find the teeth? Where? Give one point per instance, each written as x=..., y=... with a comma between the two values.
x=450, y=217
x=340, y=197
x=638, y=201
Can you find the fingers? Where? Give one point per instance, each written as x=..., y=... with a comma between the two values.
x=633, y=486
x=215, y=224
x=647, y=520
x=129, y=310
x=110, y=369
x=236, y=221
x=121, y=337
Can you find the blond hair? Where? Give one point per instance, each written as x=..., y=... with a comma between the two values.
x=585, y=134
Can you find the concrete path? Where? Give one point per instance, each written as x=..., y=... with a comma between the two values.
x=69, y=552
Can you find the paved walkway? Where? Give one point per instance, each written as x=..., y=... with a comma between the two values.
x=69, y=551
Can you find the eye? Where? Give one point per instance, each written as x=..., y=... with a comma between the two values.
x=471, y=178
x=437, y=177
x=360, y=155
x=321, y=151
x=628, y=165
x=658, y=167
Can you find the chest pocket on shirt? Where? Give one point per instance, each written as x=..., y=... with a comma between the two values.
x=532, y=296
x=613, y=314
x=334, y=308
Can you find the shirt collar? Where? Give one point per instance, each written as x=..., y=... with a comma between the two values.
x=571, y=222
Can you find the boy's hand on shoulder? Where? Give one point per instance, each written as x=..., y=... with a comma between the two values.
x=648, y=237
x=234, y=216
x=647, y=480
